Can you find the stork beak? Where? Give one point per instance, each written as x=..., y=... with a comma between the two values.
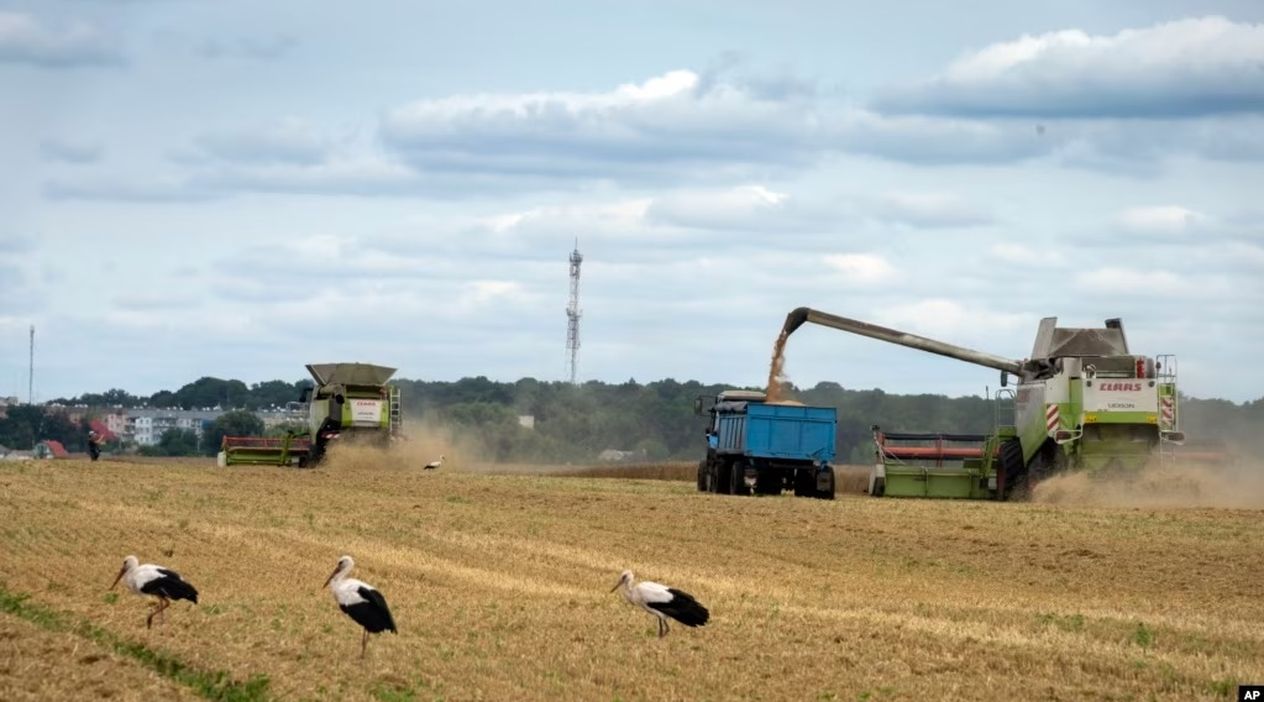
x=331, y=577
x=616, y=585
x=118, y=577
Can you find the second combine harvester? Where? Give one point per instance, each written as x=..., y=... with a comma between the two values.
x=1083, y=402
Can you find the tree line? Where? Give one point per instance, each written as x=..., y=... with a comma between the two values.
x=574, y=423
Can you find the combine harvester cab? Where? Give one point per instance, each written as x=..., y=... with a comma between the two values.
x=766, y=447
x=350, y=402
x=1083, y=402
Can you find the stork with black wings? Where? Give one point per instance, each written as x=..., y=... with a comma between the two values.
x=154, y=581
x=360, y=601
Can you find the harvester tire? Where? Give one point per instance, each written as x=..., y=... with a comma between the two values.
x=702, y=476
x=1011, y=463
x=879, y=487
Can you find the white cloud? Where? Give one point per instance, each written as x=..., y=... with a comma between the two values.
x=287, y=141
x=1161, y=219
x=929, y=209
x=24, y=39
x=941, y=317
x=741, y=207
x=1188, y=67
x=861, y=268
x=1138, y=283
x=1023, y=255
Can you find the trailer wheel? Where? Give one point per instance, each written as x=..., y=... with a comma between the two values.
x=737, y=479
x=768, y=482
x=825, y=483
x=721, y=478
x=804, y=483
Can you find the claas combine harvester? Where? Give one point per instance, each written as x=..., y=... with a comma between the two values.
x=1083, y=402
x=350, y=402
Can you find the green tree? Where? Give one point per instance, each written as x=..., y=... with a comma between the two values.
x=212, y=392
x=235, y=423
x=179, y=442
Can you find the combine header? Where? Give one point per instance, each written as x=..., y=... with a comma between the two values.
x=1084, y=402
x=350, y=402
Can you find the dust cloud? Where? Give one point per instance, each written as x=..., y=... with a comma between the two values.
x=461, y=450
x=1161, y=485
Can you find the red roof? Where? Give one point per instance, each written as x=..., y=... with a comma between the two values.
x=102, y=430
x=58, y=450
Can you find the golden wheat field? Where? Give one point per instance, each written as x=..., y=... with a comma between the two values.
x=501, y=584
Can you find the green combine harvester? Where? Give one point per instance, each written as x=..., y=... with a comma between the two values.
x=1083, y=402
x=350, y=402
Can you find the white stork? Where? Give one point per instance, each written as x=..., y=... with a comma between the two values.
x=662, y=602
x=434, y=464
x=360, y=601
x=156, y=581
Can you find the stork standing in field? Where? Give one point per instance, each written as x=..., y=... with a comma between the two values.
x=360, y=601
x=434, y=464
x=156, y=581
x=662, y=602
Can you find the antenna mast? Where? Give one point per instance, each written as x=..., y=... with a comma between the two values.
x=573, y=314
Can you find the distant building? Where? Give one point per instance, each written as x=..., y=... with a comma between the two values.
x=51, y=449
x=146, y=426
x=116, y=422
x=276, y=417
x=526, y=421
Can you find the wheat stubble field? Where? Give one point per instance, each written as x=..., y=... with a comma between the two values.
x=500, y=585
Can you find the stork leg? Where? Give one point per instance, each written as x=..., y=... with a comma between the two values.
x=662, y=627
x=364, y=642
x=162, y=604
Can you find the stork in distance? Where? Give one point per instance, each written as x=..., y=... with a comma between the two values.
x=662, y=602
x=361, y=601
x=156, y=581
x=434, y=464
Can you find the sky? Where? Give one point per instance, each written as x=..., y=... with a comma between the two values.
x=236, y=189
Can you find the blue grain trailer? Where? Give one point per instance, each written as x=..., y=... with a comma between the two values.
x=766, y=448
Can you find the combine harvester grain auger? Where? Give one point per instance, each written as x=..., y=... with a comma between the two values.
x=1083, y=402
x=350, y=403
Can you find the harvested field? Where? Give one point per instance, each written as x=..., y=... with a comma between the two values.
x=500, y=585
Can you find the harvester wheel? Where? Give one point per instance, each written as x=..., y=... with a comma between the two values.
x=702, y=476
x=879, y=487
x=1010, y=464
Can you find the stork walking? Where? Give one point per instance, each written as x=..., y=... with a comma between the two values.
x=155, y=581
x=662, y=602
x=361, y=601
x=434, y=464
